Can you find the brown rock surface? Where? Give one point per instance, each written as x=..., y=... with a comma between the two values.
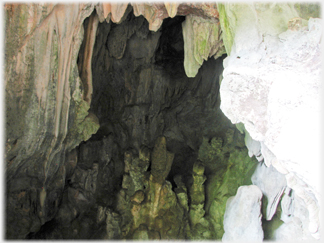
x=42, y=94
x=156, y=12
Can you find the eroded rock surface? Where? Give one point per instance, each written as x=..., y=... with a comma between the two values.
x=164, y=159
x=272, y=184
x=272, y=85
x=242, y=219
x=46, y=114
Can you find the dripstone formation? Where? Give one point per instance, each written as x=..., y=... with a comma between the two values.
x=161, y=121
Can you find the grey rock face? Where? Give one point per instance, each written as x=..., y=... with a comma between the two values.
x=272, y=84
x=295, y=215
x=272, y=184
x=242, y=219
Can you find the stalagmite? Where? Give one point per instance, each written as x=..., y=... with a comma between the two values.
x=171, y=121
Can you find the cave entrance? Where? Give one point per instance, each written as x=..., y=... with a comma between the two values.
x=141, y=93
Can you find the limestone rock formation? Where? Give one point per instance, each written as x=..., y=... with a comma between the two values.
x=274, y=70
x=46, y=114
x=202, y=39
x=114, y=128
x=197, y=194
x=272, y=184
x=242, y=219
x=148, y=206
x=155, y=12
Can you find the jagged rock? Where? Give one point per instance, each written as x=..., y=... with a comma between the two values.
x=257, y=76
x=135, y=177
x=197, y=190
x=242, y=219
x=134, y=81
x=295, y=219
x=141, y=233
x=228, y=169
x=127, y=160
x=201, y=40
x=196, y=213
x=154, y=12
x=144, y=155
x=112, y=225
x=272, y=184
x=181, y=192
x=306, y=204
x=120, y=34
x=138, y=197
x=86, y=179
x=152, y=212
x=101, y=215
x=161, y=160
x=42, y=102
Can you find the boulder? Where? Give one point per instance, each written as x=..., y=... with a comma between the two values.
x=242, y=219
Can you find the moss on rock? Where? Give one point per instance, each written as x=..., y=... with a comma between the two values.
x=227, y=34
x=202, y=39
x=229, y=167
x=308, y=10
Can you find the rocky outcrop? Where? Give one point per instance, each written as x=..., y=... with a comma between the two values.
x=148, y=206
x=242, y=219
x=201, y=30
x=46, y=114
x=227, y=167
x=113, y=126
x=202, y=40
x=197, y=194
x=154, y=13
x=272, y=85
x=272, y=184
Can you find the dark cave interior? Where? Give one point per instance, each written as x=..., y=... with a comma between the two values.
x=140, y=93
x=115, y=125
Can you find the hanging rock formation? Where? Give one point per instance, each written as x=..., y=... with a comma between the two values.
x=46, y=114
x=202, y=39
x=274, y=70
x=115, y=125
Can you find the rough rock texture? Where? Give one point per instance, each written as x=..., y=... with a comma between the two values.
x=134, y=81
x=137, y=110
x=202, y=39
x=46, y=114
x=227, y=167
x=165, y=159
x=154, y=13
x=148, y=206
x=295, y=216
x=197, y=194
x=272, y=85
x=242, y=219
x=272, y=184
x=201, y=30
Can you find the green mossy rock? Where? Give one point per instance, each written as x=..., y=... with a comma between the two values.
x=202, y=39
x=229, y=167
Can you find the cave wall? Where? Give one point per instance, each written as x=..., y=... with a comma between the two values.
x=274, y=70
x=57, y=96
x=149, y=156
x=46, y=114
